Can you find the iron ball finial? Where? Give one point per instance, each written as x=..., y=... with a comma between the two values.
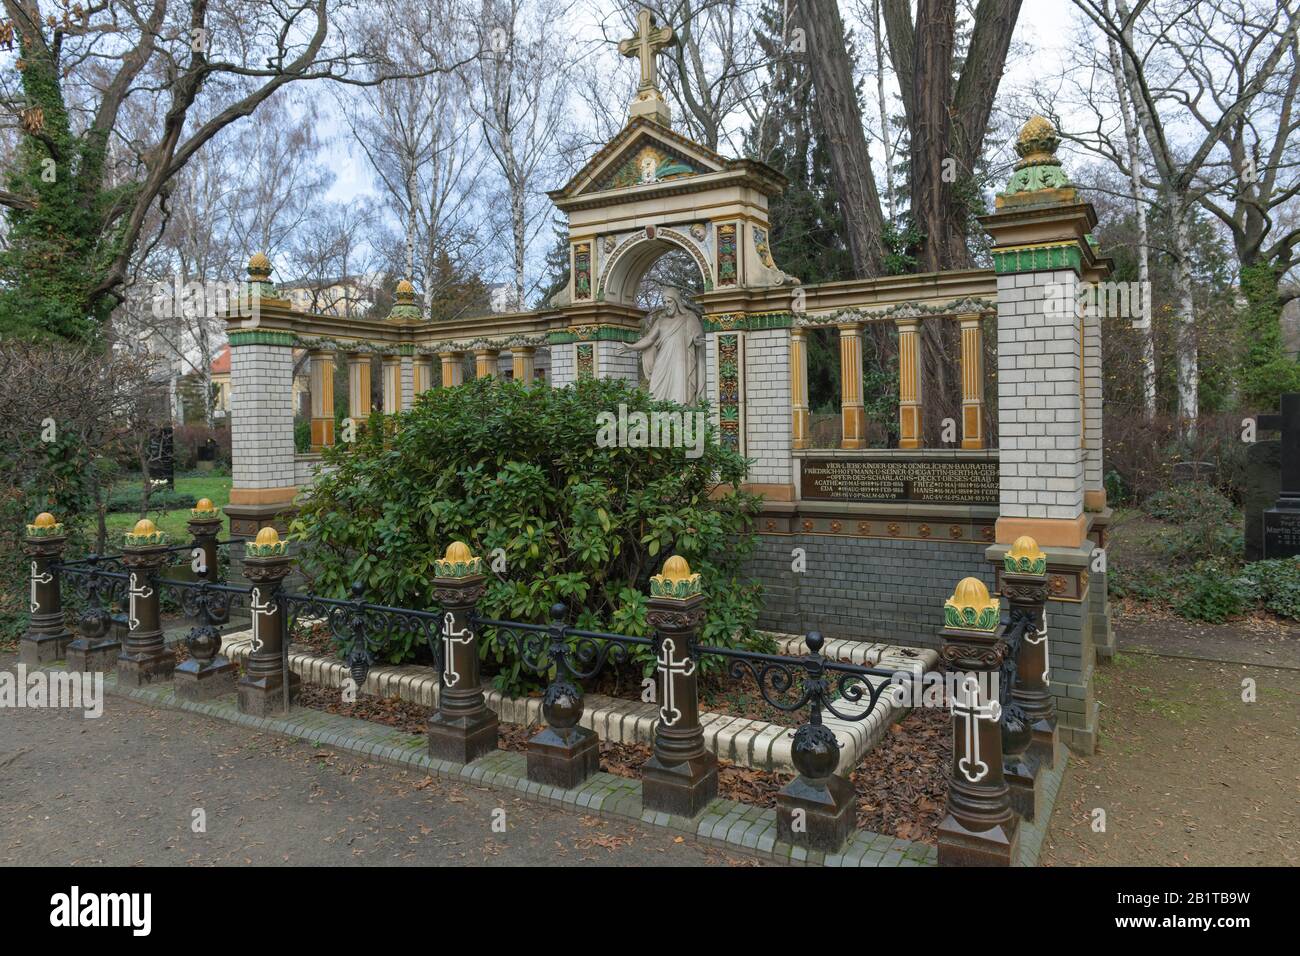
x=815, y=641
x=558, y=612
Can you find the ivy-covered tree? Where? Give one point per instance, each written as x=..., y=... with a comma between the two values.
x=114, y=99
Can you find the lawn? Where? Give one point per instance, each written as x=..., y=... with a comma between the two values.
x=215, y=487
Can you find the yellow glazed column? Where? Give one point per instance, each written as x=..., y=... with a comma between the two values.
x=392, y=373
x=522, y=357
x=909, y=383
x=800, y=420
x=423, y=373
x=359, y=386
x=485, y=362
x=853, y=414
x=972, y=381
x=322, y=399
x=453, y=373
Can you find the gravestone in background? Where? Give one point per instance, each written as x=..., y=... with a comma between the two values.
x=1185, y=472
x=1263, y=482
x=162, y=457
x=1282, y=521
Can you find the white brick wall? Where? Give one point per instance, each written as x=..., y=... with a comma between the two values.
x=408, y=382
x=1039, y=406
x=767, y=404
x=613, y=360
x=261, y=416
x=563, y=368
x=1092, y=393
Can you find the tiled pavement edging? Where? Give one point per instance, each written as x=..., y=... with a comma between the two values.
x=757, y=744
x=724, y=823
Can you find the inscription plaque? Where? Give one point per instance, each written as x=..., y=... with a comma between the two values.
x=1281, y=533
x=912, y=479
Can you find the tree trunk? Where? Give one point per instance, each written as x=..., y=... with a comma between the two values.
x=1180, y=208
x=841, y=120
x=1137, y=171
x=933, y=165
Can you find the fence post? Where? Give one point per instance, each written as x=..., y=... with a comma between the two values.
x=1024, y=583
x=206, y=674
x=462, y=729
x=266, y=565
x=204, y=526
x=681, y=777
x=818, y=808
x=980, y=828
x=562, y=754
x=94, y=650
x=145, y=657
x=47, y=637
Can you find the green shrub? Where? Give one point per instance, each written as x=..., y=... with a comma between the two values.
x=1210, y=593
x=501, y=466
x=1192, y=501
x=128, y=501
x=1274, y=585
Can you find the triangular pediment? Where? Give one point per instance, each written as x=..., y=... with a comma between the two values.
x=643, y=153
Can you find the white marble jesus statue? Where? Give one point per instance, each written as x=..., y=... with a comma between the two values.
x=672, y=352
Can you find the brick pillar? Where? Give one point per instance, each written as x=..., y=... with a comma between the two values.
x=801, y=417
x=909, y=383
x=47, y=637
x=852, y=412
x=145, y=658
x=1042, y=256
x=681, y=777
x=206, y=674
x=980, y=828
x=462, y=729
x=453, y=372
x=972, y=380
x=262, y=688
x=408, y=382
x=263, y=482
x=322, y=398
x=522, y=361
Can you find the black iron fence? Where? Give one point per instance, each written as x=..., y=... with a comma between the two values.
x=118, y=614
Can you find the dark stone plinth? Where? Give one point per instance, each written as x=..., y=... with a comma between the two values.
x=1281, y=533
x=1263, y=482
x=683, y=789
x=817, y=814
x=139, y=668
x=264, y=696
x=35, y=650
x=88, y=657
x=197, y=681
x=1026, y=787
x=462, y=739
x=563, y=758
x=996, y=846
x=1045, y=746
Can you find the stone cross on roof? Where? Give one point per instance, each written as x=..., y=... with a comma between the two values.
x=650, y=38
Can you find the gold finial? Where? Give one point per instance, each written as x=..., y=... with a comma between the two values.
x=457, y=562
x=676, y=580
x=1036, y=145
x=259, y=267
x=204, y=504
x=971, y=608
x=267, y=544
x=144, y=534
x=405, y=289
x=44, y=526
x=267, y=535
x=1025, y=557
x=404, y=307
x=44, y=520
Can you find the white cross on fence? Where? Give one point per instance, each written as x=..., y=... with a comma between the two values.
x=967, y=705
x=450, y=638
x=43, y=577
x=1040, y=637
x=668, y=667
x=135, y=591
x=258, y=607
